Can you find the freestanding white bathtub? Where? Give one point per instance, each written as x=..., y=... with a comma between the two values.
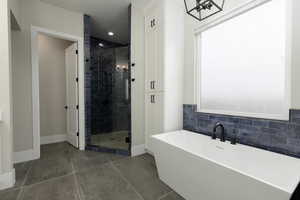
x=199, y=168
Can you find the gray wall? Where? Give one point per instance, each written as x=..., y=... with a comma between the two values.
x=51, y=52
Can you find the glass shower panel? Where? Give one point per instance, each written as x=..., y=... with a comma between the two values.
x=110, y=98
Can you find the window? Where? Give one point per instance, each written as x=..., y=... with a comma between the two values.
x=242, y=64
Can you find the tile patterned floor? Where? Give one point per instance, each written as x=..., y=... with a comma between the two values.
x=64, y=173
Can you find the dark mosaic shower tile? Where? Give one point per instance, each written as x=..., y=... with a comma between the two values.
x=88, y=76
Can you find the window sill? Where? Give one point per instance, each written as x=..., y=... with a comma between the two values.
x=285, y=117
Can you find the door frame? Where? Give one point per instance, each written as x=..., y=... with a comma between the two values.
x=35, y=84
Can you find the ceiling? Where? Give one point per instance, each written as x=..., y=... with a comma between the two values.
x=107, y=15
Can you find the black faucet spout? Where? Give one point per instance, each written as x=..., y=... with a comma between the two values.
x=222, y=137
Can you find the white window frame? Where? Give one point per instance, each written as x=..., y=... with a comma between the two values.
x=227, y=16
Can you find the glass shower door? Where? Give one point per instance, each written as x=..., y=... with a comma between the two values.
x=111, y=100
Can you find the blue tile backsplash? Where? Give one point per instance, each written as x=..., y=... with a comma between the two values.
x=273, y=135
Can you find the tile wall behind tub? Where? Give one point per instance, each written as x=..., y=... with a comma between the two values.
x=273, y=135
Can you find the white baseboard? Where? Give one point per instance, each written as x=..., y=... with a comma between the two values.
x=138, y=150
x=25, y=156
x=53, y=139
x=28, y=155
x=7, y=180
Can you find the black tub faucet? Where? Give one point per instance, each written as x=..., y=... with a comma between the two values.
x=222, y=137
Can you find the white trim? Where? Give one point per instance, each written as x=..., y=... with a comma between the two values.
x=35, y=93
x=138, y=150
x=7, y=180
x=227, y=16
x=53, y=139
x=24, y=156
x=35, y=84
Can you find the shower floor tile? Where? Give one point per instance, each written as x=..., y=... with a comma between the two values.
x=113, y=140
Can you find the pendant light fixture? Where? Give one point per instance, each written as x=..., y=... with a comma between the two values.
x=203, y=9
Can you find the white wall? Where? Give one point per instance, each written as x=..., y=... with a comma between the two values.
x=173, y=51
x=52, y=74
x=36, y=13
x=5, y=107
x=6, y=126
x=189, y=74
x=295, y=55
x=138, y=87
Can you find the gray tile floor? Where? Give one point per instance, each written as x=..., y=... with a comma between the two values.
x=64, y=173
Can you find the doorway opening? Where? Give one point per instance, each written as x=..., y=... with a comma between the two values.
x=57, y=88
x=58, y=72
